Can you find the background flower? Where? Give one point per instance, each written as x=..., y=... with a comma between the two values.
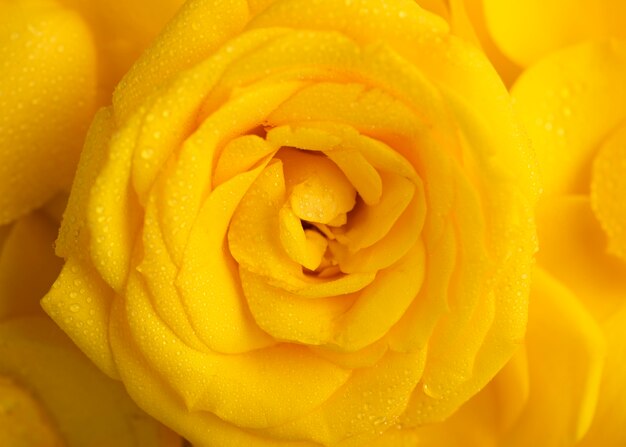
x=59, y=63
x=301, y=223
x=50, y=393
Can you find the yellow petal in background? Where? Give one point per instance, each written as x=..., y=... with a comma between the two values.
x=607, y=427
x=608, y=191
x=570, y=102
x=507, y=69
x=86, y=407
x=527, y=30
x=47, y=91
x=573, y=250
x=566, y=352
x=23, y=421
x=121, y=30
x=27, y=264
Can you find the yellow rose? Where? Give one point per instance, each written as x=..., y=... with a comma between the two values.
x=567, y=387
x=50, y=394
x=300, y=223
x=59, y=61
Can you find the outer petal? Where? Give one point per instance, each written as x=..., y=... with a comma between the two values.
x=87, y=408
x=43, y=117
x=197, y=30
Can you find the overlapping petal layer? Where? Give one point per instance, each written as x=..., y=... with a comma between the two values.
x=303, y=229
x=50, y=394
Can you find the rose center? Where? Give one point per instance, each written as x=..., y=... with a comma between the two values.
x=319, y=198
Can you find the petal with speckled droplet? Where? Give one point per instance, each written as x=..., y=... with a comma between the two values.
x=608, y=189
x=558, y=99
x=41, y=136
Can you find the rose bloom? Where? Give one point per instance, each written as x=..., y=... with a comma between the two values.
x=567, y=386
x=301, y=223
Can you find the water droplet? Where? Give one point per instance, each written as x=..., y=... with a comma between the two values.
x=147, y=153
x=74, y=308
x=428, y=390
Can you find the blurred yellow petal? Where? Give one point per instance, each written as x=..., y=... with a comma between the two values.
x=527, y=30
x=121, y=31
x=608, y=190
x=559, y=100
x=27, y=265
x=573, y=250
x=566, y=352
x=23, y=421
x=87, y=408
x=607, y=427
x=44, y=116
x=507, y=69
